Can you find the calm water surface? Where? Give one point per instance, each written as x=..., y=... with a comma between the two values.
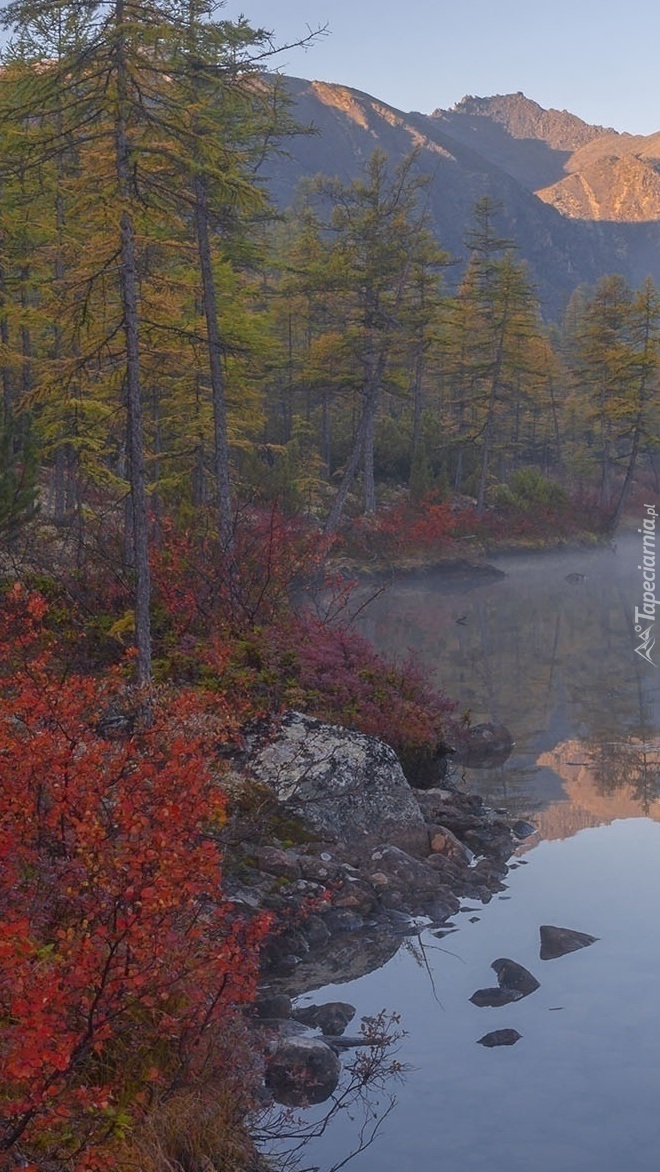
x=580, y=1092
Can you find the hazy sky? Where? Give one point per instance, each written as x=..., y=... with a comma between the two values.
x=596, y=58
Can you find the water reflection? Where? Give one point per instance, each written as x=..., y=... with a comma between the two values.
x=360, y=1106
x=577, y=1093
x=551, y=658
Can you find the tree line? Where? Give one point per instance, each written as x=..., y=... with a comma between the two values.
x=169, y=345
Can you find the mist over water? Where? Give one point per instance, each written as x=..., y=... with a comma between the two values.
x=555, y=661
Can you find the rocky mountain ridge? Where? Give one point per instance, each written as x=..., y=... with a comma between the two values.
x=579, y=200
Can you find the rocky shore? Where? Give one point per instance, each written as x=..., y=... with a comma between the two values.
x=327, y=833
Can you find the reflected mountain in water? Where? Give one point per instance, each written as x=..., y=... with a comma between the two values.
x=602, y=782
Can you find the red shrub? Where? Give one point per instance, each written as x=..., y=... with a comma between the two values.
x=118, y=956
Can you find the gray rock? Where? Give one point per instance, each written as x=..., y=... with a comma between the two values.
x=342, y=783
x=485, y=745
x=315, y=931
x=412, y=875
x=331, y=1018
x=273, y=1005
x=302, y=1071
x=500, y=1038
x=277, y=862
x=444, y=842
x=557, y=942
x=494, y=998
x=523, y=829
x=441, y=906
x=342, y=920
x=511, y=975
x=350, y=955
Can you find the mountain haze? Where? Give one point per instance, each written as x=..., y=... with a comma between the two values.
x=579, y=200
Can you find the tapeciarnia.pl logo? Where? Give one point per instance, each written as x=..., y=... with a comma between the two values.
x=644, y=628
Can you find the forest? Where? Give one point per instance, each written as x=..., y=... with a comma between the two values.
x=206, y=405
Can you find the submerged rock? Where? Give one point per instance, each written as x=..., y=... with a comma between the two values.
x=494, y=998
x=500, y=1038
x=557, y=942
x=302, y=1071
x=511, y=975
x=485, y=745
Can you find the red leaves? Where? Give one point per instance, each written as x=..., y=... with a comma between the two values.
x=118, y=954
x=410, y=526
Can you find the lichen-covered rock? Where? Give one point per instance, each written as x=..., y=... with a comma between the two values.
x=341, y=783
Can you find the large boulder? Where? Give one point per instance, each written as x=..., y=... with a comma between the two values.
x=302, y=1071
x=342, y=784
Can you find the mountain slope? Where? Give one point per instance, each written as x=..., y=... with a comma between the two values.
x=507, y=147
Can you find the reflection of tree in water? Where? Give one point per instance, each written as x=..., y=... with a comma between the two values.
x=510, y=786
x=364, y=1096
x=632, y=764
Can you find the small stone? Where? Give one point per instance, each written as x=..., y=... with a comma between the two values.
x=444, y=842
x=523, y=829
x=511, y=975
x=500, y=1038
x=557, y=942
x=332, y=1017
x=277, y=862
x=494, y=998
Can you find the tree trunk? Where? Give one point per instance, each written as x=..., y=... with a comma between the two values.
x=337, y=510
x=129, y=295
x=418, y=408
x=368, y=460
x=218, y=394
x=630, y=472
x=325, y=435
x=490, y=419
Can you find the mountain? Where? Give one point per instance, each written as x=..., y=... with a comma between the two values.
x=579, y=200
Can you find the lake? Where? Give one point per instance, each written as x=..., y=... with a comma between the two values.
x=555, y=661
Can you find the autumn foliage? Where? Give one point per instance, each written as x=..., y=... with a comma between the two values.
x=270, y=648
x=119, y=958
